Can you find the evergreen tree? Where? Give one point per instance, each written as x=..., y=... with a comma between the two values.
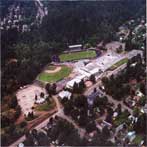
x=13, y=102
x=75, y=88
x=93, y=79
x=54, y=86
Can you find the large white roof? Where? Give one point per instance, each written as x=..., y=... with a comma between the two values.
x=71, y=83
x=80, y=77
x=91, y=66
x=63, y=94
x=94, y=71
x=84, y=71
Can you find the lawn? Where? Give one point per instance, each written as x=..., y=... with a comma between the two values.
x=54, y=77
x=45, y=106
x=122, y=118
x=119, y=63
x=138, y=139
x=77, y=55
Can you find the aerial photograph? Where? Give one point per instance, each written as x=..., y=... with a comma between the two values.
x=73, y=73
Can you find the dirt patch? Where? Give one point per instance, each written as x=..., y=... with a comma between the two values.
x=58, y=68
x=88, y=84
x=72, y=75
x=26, y=97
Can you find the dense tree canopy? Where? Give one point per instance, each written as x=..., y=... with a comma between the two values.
x=24, y=54
x=66, y=23
x=118, y=86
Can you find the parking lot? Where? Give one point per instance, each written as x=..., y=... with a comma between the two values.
x=26, y=97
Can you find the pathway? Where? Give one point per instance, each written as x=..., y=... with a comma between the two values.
x=60, y=113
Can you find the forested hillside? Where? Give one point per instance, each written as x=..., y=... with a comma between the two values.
x=71, y=22
x=25, y=54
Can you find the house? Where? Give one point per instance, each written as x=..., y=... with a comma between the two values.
x=70, y=84
x=145, y=108
x=95, y=71
x=91, y=135
x=84, y=71
x=77, y=80
x=64, y=94
x=115, y=114
x=132, y=118
x=139, y=93
x=131, y=135
x=92, y=97
x=20, y=145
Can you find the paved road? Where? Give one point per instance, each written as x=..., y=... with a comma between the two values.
x=110, y=99
x=38, y=127
x=60, y=113
x=108, y=74
x=81, y=131
x=115, y=102
x=41, y=125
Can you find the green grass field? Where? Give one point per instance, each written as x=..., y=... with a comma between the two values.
x=119, y=63
x=54, y=77
x=45, y=106
x=121, y=119
x=138, y=139
x=77, y=55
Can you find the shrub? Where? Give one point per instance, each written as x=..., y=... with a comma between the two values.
x=23, y=124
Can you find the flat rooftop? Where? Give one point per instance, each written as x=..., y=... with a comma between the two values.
x=77, y=45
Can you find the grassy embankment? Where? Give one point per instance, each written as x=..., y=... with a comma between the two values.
x=77, y=55
x=119, y=63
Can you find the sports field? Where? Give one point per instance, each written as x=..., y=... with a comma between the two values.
x=119, y=63
x=77, y=55
x=56, y=76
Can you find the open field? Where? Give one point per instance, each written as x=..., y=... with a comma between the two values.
x=45, y=106
x=54, y=77
x=77, y=55
x=119, y=63
x=138, y=139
